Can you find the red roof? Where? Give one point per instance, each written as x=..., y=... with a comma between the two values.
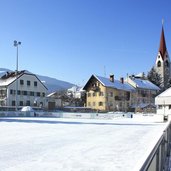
x=162, y=48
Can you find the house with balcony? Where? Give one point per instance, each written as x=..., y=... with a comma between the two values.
x=108, y=94
x=22, y=88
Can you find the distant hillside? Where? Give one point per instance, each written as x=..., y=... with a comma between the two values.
x=52, y=84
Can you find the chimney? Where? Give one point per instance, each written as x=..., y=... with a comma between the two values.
x=122, y=80
x=112, y=78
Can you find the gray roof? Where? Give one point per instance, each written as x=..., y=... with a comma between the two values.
x=116, y=84
x=145, y=84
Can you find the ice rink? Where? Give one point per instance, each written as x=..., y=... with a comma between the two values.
x=61, y=144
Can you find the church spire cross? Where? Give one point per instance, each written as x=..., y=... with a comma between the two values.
x=162, y=22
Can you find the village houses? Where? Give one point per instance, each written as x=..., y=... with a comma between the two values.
x=133, y=93
x=107, y=94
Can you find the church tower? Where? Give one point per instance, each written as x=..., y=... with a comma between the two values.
x=162, y=65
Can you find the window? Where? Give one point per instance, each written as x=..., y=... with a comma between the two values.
x=94, y=103
x=31, y=93
x=28, y=83
x=18, y=92
x=169, y=106
x=25, y=93
x=94, y=85
x=100, y=103
x=167, y=64
x=11, y=91
x=89, y=104
x=21, y=82
x=38, y=94
x=111, y=94
x=43, y=94
x=27, y=103
x=21, y=103
x=159, y=64
x=101, y=93
x=89, y=94
x=159, y=106
x=35, y=83
x=13, y=103
x=94, y=94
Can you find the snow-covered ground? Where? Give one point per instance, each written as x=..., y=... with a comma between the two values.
x=65, y=144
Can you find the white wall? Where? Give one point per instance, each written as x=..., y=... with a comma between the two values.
x=39, y=88
x=164, y=110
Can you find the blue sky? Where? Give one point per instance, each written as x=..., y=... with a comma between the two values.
x=72, y=39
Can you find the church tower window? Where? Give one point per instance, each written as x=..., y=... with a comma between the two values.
x=167, y=64
x=159, y=64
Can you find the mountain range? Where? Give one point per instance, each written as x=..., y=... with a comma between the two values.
x=52, y=84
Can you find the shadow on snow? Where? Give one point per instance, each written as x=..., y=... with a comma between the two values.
x=70, y=122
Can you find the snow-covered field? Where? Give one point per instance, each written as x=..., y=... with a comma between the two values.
x=65, y=144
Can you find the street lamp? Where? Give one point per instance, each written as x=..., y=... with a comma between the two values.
x=16, y=43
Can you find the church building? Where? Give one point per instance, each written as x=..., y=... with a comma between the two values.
x=162, y=64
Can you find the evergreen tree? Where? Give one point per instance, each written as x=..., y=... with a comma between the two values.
x=154, y=77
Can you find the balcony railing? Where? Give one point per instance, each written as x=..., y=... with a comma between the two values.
x=158, y=159
x=122, y=98
x=95, y=88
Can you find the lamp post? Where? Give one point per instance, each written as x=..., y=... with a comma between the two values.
x=16, y=43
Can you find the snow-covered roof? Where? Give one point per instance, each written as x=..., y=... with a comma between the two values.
x=140, y=75
x=145, y=84
x=51, y=94
x=10, y=77
x=5, y=82
x=116, y=84
x=166, y=93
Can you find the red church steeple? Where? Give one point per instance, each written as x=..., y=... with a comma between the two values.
x=162, y=48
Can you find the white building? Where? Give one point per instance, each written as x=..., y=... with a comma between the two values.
x=163, y=102
x=30, y=90
x=75, y=92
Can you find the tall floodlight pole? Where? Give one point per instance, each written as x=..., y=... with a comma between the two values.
x=16, y=43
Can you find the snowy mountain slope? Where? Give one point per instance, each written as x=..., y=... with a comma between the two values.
x=52, y=84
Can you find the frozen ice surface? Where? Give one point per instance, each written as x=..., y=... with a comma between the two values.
x=60, y=144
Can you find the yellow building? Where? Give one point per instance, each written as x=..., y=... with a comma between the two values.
x=108, y=94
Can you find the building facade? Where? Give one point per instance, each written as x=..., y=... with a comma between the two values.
x=107, y=94
x=162, y=63
x=22, y=89
x=144, y=96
